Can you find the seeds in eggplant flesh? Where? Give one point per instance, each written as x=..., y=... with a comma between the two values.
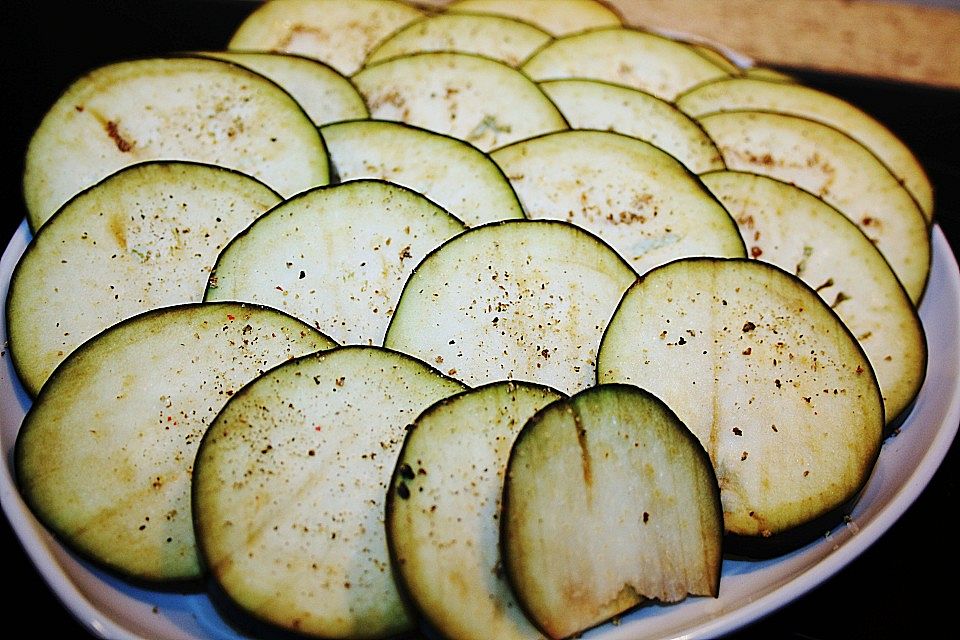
x=106, y=453
x=767, y=376
x=289, y=490
x=609, y=501
x=443, y=510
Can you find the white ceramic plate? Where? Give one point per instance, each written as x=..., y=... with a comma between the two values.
x=748, y=590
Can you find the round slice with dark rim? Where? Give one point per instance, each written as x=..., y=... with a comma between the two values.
x=482, y=101
x=592, y=104
x=182, y=108
x=289, y=490
x=144, y=237
x=609, y=501
x=737, y=94
x=777, y=389
x=519, y=300
x=105, y=456
x=336, y=257
x=627, y=56
x=508, y=40
x=830, y=164
x=443, y=510
x=802, y=234
x=558, y=17
x=638, y=198
x=453, y=173
x=323, y=92
x=341, y=33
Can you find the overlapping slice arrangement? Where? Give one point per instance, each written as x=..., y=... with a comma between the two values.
x=508, y=40
x=774, y=385
x=290, y=484
x=611, y=457
x=845, y=174
x=481, y=100
x=594, y=104
x=802, y=234
x=323, y=92
x=451, y=172
x=444, y=510
x=639, y=199
x=105, y=455
x=489, y=205
x=144, y=237
x=525, y=300
x=336, y=257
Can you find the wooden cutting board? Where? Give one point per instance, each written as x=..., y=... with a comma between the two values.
x=899, y=41
x=903, y=41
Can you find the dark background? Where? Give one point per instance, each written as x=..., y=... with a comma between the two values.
x=902, y=586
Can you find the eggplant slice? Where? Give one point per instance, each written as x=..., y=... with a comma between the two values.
x=145, y=237
x=609, y=501
x=105, y=455
x=289, y=491
x=770, y=380
x=443, y=510
x=336, y=257
x=185, y=108
x=515, y=300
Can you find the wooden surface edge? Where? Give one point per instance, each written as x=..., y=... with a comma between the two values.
x=884, y=39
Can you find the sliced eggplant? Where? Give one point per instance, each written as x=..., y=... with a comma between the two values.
x=482, y=101
x=454, y=174
x=289, y=489
x=631, y=57
x=505, y=39
x=188, y=108
x=443, y=511
x=838, y=169
x=324, y=93
x=336, y=257
x=520, y=300
x=733, y=94
x=592, y=104
x=144, y=237
x=800, y=233
x=558, y=17
x=639, y=199
x=341, y=33
x=105, y=455
x=609, y=501
x=777, y=389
